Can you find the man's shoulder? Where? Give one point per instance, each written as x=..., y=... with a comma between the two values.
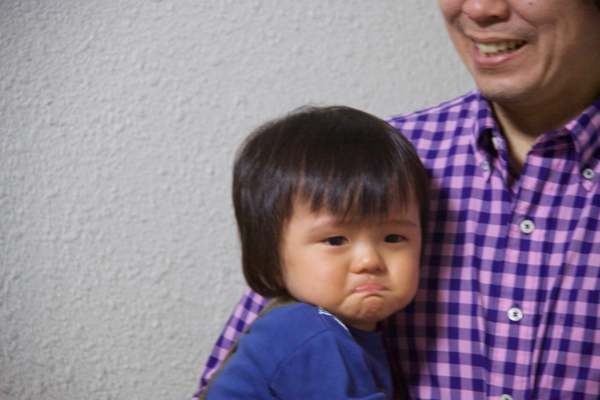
x=434, y=117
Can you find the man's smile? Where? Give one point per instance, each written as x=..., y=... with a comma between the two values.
x=501, y=47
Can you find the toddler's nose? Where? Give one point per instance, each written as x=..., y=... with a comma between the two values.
x=367, y=260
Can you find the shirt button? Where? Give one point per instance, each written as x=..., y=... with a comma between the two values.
x=515, y=315
x=527, y=226
x=506, y=397
x=588, y=173
x=485, y=165
x=495, y=142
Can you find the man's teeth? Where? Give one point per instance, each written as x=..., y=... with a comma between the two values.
x=493, y=49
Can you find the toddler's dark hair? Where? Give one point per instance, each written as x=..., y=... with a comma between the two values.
x=348, y=161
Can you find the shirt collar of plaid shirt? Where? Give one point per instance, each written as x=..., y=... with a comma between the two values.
x=582, y=132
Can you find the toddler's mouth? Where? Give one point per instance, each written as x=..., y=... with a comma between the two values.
x=371, y=287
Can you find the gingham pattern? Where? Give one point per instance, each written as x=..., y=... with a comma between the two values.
x=244, y=313
x=456, y=341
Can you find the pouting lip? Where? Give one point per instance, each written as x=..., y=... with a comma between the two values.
x=370, y=287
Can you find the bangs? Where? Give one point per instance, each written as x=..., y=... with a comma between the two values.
x=352, y=185
x=356, y=169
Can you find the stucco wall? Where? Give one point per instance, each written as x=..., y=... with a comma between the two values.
x=119, y=260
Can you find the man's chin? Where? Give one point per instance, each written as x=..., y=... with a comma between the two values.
x=507, y=94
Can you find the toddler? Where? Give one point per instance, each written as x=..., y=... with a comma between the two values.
x=331, y=205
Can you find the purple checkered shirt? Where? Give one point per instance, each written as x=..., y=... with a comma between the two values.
x=508, y=305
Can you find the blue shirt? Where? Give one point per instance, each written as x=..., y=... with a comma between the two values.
x=303, y=352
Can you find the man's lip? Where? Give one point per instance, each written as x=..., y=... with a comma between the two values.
x=492, y=39
x=370, y=287
x=497, y=47
x=494, y=60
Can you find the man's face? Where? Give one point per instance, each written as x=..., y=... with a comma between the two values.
x=528, y=52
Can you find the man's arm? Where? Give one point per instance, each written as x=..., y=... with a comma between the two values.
x=244, y=313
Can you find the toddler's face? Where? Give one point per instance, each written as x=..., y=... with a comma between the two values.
x=361, y=271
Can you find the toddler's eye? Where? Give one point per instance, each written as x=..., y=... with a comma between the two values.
x=336, y=241
x=394, y=238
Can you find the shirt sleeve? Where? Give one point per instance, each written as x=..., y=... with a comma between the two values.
x=244, y=313
x=326, y=367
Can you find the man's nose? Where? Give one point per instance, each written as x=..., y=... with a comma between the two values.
x=486, y=11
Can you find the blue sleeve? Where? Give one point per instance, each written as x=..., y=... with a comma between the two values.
x=326, y=367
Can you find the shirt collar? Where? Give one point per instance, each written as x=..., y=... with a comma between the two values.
x=583, y=133
x=487, y=139
x=484, y=121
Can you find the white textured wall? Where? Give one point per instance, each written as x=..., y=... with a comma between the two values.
x=118, y=124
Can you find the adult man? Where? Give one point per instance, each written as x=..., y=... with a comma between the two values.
x=509, y=300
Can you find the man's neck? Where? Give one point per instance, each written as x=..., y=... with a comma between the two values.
x=522, y=125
